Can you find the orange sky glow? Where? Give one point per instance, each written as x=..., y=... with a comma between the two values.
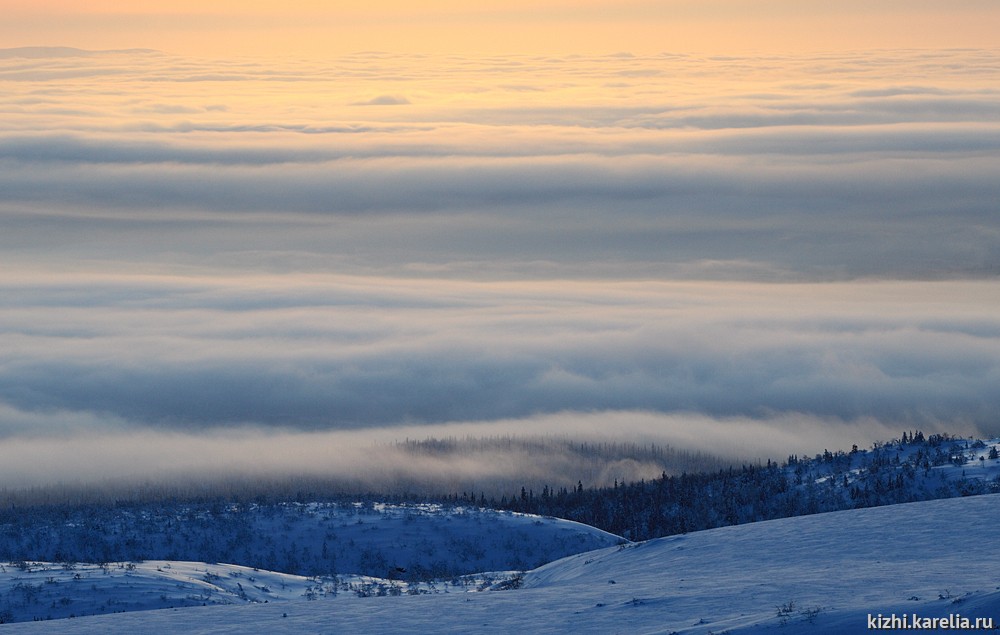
x=553, y=26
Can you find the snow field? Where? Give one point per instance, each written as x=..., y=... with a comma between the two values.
x=813, y=574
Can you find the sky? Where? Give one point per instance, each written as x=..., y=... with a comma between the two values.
x=759, y=227
x=314, y=27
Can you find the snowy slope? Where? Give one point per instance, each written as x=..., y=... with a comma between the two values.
x=401, y=544
x=824, y=573
x=45, y=591
x=410, y=542
x=952, y=461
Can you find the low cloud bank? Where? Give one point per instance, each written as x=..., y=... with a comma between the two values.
x=495, y=458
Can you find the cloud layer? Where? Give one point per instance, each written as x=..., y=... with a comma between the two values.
x=375, y=242
x=810, y=168
x=330, y=352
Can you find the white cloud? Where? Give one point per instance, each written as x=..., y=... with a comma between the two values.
x=384, y=100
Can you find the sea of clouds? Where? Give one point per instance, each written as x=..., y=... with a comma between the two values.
x=247, y=262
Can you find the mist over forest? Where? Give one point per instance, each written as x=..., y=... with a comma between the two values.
x=408, y=470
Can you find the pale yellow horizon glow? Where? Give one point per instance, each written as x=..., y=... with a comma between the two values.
x=314, y=28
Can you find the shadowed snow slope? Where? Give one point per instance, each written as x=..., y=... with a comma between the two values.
x=824, y=573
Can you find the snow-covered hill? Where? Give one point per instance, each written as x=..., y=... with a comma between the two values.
x=378, y=549
x=411, y=542
x=939, y=465
x=815, y=574
x=906, y=470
